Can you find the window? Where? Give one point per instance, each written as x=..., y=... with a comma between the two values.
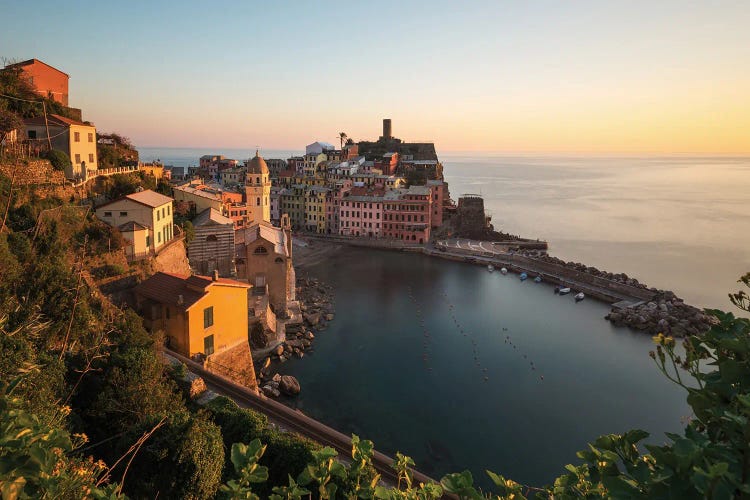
x=208, y=318
x=78, y=158
x=212, y=237
x=123, y=214
x=208, y=345
x=91, y=157
x=158, y=237
x=169, y=210
x=91, y=138
x=76, y=136
x=158, y=215
x=32, y=134
x=166, y=310
x=260, y=251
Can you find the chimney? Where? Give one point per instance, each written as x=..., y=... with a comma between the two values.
x=216, y=275
x=180, y=299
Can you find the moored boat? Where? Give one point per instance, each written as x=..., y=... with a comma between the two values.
x=490, y=267
x=557, y=288
x=503, y=271
x=538, y=279
x=523, y=276
x=564, y=291
x=580, y=296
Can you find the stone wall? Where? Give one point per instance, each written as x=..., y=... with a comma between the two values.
x=235, y=363
x=32, y=172
x=471, y=219
x=172, y=259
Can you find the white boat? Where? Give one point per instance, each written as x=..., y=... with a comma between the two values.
x=503, y=271
x=580, y=296
x=490, y=267
x=564, y=291
x=538, y=279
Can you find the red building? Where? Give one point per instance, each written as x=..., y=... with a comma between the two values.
x=46, y=80
x=407, y=214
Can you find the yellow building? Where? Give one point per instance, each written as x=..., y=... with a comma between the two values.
x=154, y=169
x=151, y=214
x=199, y=315
x=315, y=209
x=199, y=196
x=258, y=189
x=75, y=138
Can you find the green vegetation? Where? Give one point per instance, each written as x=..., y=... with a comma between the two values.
x=59, y=159
x=88, y=409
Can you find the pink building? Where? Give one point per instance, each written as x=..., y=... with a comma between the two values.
x=438, y=191
x=387, y=164
x=407, y=214
x=361, y=216
x=334, y=196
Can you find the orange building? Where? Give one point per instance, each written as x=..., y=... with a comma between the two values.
x=46, y=80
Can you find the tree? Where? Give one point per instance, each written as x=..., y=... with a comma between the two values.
x=342, y=138
x=9, y=121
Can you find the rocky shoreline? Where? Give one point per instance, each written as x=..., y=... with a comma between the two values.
x=317, y=308
x=664, y=313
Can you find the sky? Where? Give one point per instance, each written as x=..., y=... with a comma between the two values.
x=504, y=76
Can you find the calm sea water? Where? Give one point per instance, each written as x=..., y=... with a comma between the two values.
x=404, y=364
x=396, y=367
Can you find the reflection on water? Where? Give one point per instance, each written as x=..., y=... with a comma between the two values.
x=462, y=368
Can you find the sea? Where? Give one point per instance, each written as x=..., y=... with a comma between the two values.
x=461, y=368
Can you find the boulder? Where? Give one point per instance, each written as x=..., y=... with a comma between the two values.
x=289, y=385
x=197, y=387
x=279, y=350
x=329, y=317
x=270, y=391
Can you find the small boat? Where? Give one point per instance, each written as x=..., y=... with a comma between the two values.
x=490, y=267
x=557, y=288
x=564, y=291
x=538, y=279
x=503, y=270
x=580, y=296
x=523, y=276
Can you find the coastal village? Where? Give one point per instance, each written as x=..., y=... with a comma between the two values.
x=218, y=239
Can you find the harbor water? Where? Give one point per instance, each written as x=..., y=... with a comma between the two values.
x=461, y=368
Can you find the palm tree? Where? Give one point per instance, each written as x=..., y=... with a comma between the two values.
x=342, y=138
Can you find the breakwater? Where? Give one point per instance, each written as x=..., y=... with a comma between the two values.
x=634, y=304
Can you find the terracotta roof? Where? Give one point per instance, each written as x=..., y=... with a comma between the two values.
x=166, y=288
x=257, y=165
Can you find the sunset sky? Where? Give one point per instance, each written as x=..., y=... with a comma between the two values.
x=527, y=76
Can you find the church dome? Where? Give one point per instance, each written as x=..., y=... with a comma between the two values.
x=257, y=165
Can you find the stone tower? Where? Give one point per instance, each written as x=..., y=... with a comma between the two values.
x=258, y=189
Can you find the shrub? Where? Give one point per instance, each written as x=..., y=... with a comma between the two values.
x=59, y=159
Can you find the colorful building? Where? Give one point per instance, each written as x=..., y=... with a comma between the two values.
x=151, y=216
x=203, y=318
x=406, y=214
x=47, y=81
x=212, y=247
x=75, y=138
x=315, y=209
x=258, y=189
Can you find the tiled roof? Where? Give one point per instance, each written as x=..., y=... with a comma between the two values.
x=131, y=226
x=263, y=230
x=211, y=216
x=55, y=121
x=150, y=198
x=166, y=288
